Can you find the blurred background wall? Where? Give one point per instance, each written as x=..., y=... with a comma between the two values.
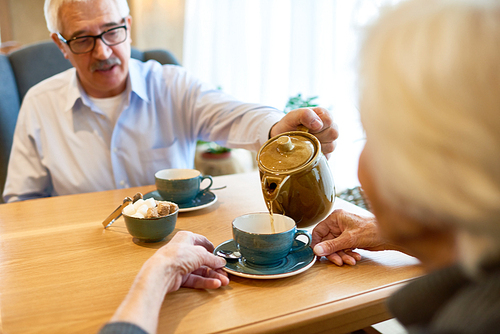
x=156, y=23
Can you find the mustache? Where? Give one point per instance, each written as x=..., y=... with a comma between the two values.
x=104, y=64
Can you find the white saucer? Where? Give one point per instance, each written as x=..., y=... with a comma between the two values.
x=295, y=263
x=203, y=200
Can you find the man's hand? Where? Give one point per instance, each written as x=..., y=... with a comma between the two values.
x=317, y=120
x=342, y=231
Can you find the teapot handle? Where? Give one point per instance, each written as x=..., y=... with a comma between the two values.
x=271, y=186
x=302, y=128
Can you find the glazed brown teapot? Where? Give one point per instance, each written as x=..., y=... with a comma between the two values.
x=296, y=178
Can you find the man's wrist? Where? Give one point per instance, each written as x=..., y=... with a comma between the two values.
x=270, y=131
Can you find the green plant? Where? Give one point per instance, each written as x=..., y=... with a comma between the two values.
x=214, y=148
x=217, y=149
x=298, y=101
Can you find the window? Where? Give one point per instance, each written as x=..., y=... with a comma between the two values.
x=266, y=51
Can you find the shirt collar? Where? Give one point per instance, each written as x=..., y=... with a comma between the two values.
x=74, y=91
x=137, y=80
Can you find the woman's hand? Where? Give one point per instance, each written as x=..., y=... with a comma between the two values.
x=187, y=260
x=342, y=231
x=188, y=256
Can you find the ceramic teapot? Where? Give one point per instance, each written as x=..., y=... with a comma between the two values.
x=296, y=178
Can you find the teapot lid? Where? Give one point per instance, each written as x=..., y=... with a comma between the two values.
x=287, y=152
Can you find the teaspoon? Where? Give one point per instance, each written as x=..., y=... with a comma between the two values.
x=229, y=255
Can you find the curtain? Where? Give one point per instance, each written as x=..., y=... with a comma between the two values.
x=266, y=51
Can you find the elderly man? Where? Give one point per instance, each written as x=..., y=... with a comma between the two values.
x=112, y=121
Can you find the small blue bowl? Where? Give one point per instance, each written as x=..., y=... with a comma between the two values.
x=151, y=229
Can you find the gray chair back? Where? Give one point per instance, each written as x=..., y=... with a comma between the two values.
x=9, y=109
x=35, y=63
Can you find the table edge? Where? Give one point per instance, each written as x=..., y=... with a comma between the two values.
x=332, y=315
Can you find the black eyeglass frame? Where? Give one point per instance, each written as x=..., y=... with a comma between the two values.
x=67, y=42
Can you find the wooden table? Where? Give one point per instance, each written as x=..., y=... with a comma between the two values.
x=61, y=272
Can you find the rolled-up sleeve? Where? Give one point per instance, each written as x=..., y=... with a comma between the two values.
x=217, y=116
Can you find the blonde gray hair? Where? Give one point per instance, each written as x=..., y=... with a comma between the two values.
x=51, y=11
x=430, y=106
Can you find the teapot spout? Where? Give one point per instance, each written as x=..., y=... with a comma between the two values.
x=271, y=186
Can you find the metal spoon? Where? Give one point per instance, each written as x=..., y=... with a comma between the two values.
x=219, y=188
x=229, y=255
x=117, y=213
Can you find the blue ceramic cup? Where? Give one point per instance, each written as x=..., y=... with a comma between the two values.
x=180, y=185
x=259, y=245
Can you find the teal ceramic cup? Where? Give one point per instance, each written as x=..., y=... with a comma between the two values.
x=258, y=245
x=180, y=185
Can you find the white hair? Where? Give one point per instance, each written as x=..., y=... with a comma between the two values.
x=430, y=106
x=51, y=10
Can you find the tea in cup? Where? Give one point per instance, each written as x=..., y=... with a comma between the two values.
x=259, y=245
x=180, y=185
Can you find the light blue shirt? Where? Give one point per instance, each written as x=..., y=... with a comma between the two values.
x=63, y=144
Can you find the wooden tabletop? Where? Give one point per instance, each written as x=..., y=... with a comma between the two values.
x=61, y=272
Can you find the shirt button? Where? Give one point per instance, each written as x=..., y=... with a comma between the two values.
x=122, y=182
x=115, y=150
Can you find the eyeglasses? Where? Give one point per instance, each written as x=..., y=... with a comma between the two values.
x=84, y=44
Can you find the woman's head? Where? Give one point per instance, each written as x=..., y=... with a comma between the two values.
x=430, y=105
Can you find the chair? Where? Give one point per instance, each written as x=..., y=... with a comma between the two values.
x=22, y=69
